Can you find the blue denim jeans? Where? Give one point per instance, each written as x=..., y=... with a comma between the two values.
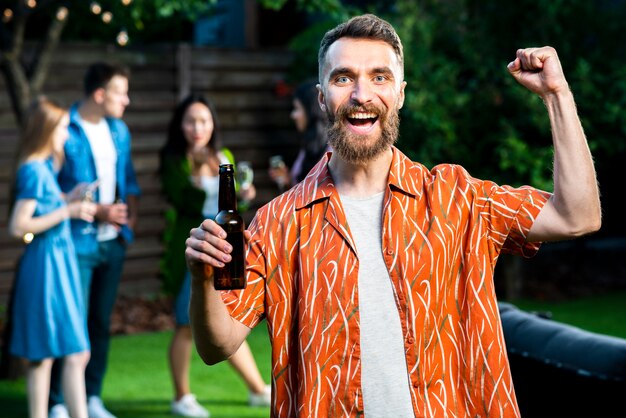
x=181, y=305
x=100, y=275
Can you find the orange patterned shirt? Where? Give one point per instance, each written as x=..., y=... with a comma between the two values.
x=442, y=234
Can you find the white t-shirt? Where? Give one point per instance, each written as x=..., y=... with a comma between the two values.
x=105, y=158
x=384, y=375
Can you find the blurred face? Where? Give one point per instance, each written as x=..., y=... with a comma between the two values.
x=298, y=115
x=114, y=97
x=197, y=126
x=60, y=135
x=362, y=92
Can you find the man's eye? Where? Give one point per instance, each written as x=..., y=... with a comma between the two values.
x=380, y=78
x=342, y=79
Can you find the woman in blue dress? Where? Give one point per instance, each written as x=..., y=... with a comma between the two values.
x=48, y=311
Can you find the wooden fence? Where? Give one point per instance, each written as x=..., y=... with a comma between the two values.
x=254, y=124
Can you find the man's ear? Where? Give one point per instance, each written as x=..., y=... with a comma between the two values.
x=320, y=98
x=401, y=98
x=98, y=95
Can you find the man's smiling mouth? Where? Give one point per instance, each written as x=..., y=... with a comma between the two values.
x=362, y=119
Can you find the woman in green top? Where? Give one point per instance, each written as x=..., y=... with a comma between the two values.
x=189, y=164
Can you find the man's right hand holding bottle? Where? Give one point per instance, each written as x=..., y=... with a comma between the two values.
x=114, y=213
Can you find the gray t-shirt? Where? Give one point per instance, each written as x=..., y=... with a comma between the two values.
x=384, y=379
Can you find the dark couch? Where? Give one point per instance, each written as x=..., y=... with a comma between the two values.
x=563, y=371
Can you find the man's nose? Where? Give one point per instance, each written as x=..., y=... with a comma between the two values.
x=362, y=92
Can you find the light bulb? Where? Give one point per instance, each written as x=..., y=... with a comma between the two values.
x=28, y=237
x=62, y=13
x=95, y=8
x=122, y=38
x=7, y=15
x=107, y=17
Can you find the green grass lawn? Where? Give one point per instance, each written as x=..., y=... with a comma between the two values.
x=138, y=384
x=604, y=314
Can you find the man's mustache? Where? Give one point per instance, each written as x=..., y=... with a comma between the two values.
x=344, y=111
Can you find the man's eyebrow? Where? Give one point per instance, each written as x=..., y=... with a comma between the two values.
x=338, y=71
x=347, y=71
x=382, y=70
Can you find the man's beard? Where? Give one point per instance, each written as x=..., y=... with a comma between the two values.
x=350, y=146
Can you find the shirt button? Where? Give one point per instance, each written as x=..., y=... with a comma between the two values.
x=410, y=340
x=390, y=251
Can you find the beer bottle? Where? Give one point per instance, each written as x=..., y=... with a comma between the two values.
x=232, y=275
x=118, y=198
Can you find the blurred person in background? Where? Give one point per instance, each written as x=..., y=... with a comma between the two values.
x=48, y=313
x=189, y=166
x=310, y=122
x=99, y=151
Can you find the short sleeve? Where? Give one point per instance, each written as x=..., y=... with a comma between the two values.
x=29, y=183
x=511, y=212
x=531, y=202
x=502, y=214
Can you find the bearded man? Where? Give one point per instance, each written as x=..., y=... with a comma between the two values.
x=375, y=274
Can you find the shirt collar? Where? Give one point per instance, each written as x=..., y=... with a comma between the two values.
x=75, y=115
x=404, y=175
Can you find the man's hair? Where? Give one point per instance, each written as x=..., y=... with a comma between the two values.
x=100, y=73
x=367, y=26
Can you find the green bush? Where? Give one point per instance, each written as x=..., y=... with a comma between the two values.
x=461, y=104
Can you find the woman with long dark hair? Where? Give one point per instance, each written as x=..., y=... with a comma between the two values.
x=310, y=121
x=189, y=167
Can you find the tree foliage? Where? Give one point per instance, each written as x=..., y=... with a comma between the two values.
x=461, y=104
x=45, y=21
x=144, y=21
x=463, y=107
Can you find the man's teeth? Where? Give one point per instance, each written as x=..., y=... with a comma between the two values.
x=362, y=115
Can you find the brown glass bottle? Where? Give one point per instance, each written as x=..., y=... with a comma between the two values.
x=232, y=275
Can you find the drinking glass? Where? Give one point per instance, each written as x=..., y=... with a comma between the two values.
x=87, y=196
x=244, y=174
x=276, y=161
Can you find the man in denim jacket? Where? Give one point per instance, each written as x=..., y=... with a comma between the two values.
x=98, y=153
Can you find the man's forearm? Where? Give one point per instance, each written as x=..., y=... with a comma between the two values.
x=216, y=334
x=576, y=196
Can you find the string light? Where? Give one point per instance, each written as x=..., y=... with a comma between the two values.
x=107, y=17
x=122, y=38
x=62, y=13
x=28, y=237
x=95, y=8
x=7, y=15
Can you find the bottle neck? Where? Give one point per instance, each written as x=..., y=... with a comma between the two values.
x=227, y=198
x=118, y=198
